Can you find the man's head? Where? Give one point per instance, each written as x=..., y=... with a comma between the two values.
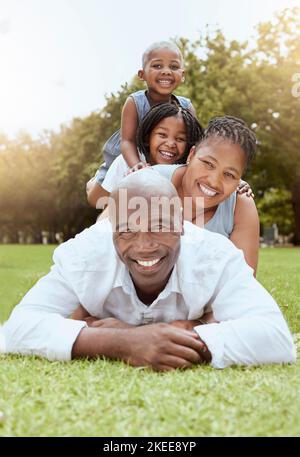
x=146, y=216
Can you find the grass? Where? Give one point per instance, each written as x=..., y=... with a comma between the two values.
x=104, y=398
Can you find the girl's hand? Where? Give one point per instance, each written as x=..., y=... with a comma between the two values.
x=244, y=188
x=137, y=166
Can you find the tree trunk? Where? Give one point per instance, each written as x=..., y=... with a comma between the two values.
x=296, y=208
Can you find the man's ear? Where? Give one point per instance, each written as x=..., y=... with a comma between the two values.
x=191, y=154
x=141, y=74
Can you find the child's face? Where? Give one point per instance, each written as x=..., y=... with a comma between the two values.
x=214, y=170
x=167, y=141
x=163, y=71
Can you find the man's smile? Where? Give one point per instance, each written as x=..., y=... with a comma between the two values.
x=148, y=264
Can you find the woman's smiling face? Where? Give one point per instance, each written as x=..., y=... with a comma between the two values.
x=214, y=170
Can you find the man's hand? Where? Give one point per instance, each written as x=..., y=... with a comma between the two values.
x=164, y=347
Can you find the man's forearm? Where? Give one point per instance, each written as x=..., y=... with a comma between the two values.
x=160, y=346
x=95, y=342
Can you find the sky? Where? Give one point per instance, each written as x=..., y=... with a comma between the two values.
x=58, y=58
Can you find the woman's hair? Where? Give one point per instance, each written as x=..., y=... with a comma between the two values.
x=157, y=113
x=236, y=131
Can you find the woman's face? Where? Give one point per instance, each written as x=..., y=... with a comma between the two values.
x=214, y=170
x=167, y=141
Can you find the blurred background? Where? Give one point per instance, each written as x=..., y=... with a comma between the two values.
x=67, y=66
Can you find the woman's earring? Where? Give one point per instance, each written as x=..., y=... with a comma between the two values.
x=183, y=79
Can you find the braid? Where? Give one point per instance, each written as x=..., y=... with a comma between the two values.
x=235, y=130
x=157, y=113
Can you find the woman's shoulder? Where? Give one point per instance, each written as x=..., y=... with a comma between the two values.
x=245, y=209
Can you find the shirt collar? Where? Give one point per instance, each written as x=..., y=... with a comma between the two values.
x=123, y=279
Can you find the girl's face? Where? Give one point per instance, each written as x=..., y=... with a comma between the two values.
x=214, y=170
x=167, y=141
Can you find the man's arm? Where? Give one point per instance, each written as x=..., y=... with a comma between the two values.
x=251, y=328
x=39, y=324
x=159, y=346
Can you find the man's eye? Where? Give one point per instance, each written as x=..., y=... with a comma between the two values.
x=126, y=234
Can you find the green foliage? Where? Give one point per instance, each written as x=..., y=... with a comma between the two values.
x=276, y=207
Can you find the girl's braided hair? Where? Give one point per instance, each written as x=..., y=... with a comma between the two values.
x=235, y=130
x=194, y=131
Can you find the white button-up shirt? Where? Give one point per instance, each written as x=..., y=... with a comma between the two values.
x=210, y=274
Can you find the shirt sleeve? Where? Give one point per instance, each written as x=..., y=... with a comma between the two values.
x=251, y=328
x=39, y=325
x=115, y=174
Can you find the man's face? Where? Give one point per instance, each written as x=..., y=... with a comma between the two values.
x=149, y=252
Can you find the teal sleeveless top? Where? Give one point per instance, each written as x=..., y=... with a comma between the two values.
x=223, y=220
x=112, y=147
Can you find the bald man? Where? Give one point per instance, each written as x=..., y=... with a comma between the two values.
x=147, y=279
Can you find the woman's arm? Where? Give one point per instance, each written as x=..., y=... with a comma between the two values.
x=129, y=125
x=245, y=234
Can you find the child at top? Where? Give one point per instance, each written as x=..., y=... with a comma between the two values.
x=162, y=72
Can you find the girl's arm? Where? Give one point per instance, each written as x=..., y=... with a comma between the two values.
x=245, y=234
x=129, y=125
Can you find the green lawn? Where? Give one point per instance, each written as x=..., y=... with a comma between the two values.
x=104, y=398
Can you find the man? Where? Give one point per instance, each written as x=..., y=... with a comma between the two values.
x=149, y=281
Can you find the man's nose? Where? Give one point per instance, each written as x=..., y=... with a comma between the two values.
x=145, y=242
